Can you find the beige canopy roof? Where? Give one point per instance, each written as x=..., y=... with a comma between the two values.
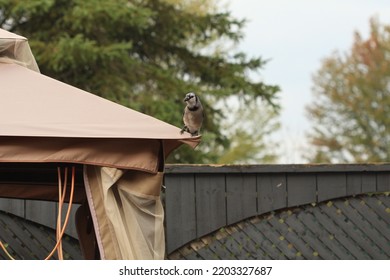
x=54, y=121
x=4, y=34
x=122, y=151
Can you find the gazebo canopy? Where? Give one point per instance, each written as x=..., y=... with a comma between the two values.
x=121, y=153
x=45, y=120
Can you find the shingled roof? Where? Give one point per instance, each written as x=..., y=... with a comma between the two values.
x=26, y=240
x=349, y=228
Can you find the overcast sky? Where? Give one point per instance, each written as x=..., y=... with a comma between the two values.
x=296, y=35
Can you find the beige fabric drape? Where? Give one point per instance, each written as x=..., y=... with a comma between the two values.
x=127, y=212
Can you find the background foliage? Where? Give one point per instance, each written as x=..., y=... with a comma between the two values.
x=351, y=110
x=145, y=55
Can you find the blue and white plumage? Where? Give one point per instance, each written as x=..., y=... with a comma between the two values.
x=193, y=114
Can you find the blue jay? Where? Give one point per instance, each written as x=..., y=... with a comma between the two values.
x=193, y=114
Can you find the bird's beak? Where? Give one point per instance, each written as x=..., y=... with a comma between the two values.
x=186, y=99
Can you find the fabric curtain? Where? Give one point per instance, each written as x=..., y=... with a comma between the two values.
x=17, y=51
x=127, y=212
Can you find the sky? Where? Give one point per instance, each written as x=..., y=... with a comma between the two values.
x=295, y=35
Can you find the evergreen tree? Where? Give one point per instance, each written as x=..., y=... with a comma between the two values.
x=145, y=55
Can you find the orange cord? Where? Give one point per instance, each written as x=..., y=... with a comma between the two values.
x=60, y=205
x=5, y=250
x=59, y=238
x=60, y=230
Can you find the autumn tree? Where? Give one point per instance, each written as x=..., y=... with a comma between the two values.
x=145, y=55
x=351, y=108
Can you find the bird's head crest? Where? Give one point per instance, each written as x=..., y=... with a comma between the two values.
x=189, y=96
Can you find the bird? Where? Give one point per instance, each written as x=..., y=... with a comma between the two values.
x=193, y=114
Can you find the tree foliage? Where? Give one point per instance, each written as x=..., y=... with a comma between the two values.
x=250, y=128
x=143, y=54
x=352, y=102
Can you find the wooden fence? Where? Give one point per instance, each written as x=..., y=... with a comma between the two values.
x=201, y=199
x=42, y=212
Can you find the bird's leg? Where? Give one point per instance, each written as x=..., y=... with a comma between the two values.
x=185, y=128
x=195, y=133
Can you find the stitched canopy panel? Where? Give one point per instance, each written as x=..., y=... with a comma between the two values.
x=349, y=228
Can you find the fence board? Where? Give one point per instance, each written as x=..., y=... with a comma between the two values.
x=351, y=231
x=180, y=214
x=261, y=240
x=31, y=244
x=354, y=183
x=208, y=254
x=235, y=247
x=330, y=248
x=364, y=226
x=371, y=217
x=301, y=189
x=383, y=182
x=272, y=192
x=210, y=202
x=241, y=197
x=277, y=168
x=331, y=185
x=276, y=242
x=198, y=256
x=368, y=182
x=42, y=212
x=45, y=213
x=9, y=237
x=289, y=251
x=246, y=245
x=349, y=250
x=14, y=206
x=71, y=227
x=217, y=248
x=255, y=250
x=293, y=236
x=47, y=241
x=302, y=225
x=243, y=248
x=379, y=208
